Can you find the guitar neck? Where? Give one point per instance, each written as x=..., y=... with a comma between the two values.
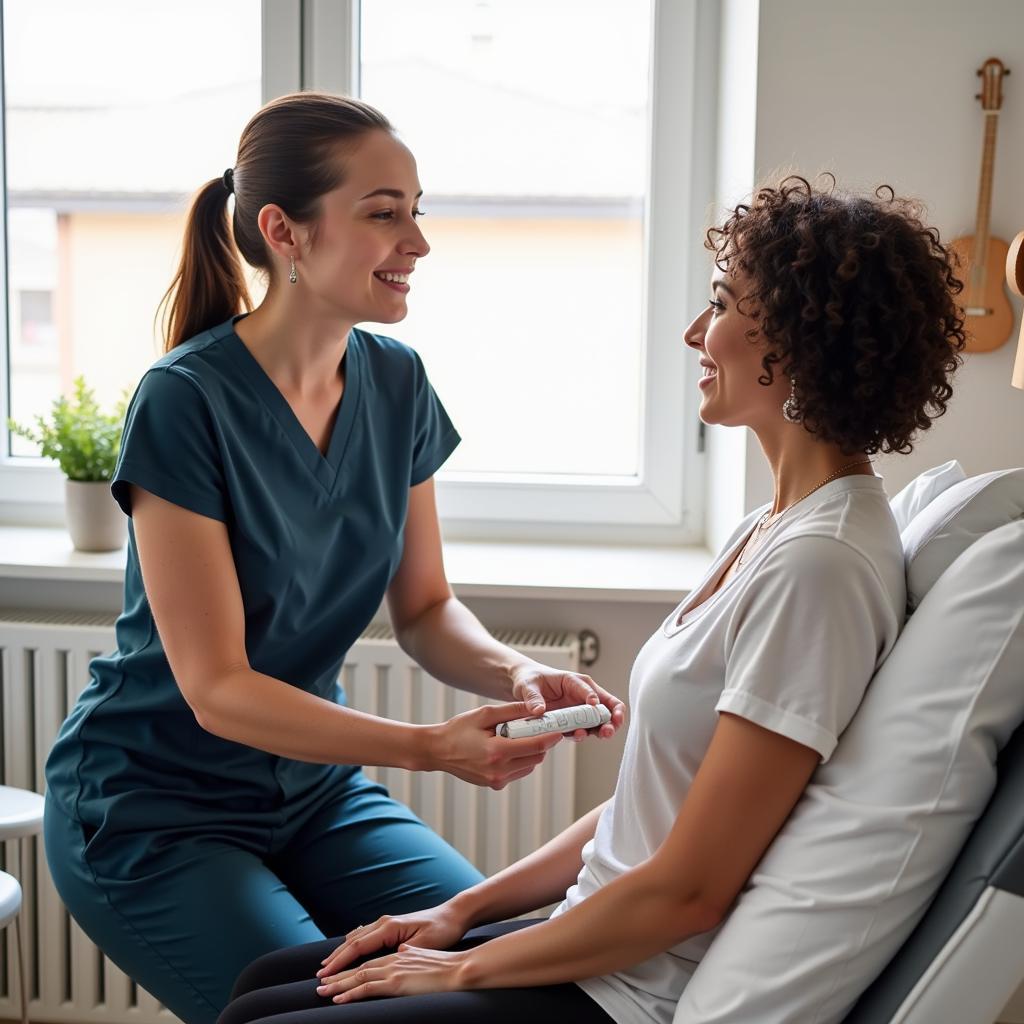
x=988, y=154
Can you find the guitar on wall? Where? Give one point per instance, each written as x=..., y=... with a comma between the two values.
x=988, y=313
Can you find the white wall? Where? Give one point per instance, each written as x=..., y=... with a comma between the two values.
x=882, y=92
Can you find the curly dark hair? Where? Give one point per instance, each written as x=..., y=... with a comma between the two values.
x=853, y=296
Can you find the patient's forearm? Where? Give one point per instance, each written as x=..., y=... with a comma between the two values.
x=621, y=924
x=536, y=880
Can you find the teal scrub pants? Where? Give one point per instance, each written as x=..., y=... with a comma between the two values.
x=184, y=909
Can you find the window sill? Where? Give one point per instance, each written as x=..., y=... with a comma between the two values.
x=548, y=571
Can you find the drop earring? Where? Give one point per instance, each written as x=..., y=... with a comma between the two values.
x=293, y=276
x=790, y=407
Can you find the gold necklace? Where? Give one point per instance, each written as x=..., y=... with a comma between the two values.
x=768, y=520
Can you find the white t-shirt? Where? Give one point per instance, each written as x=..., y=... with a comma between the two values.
x=789, y=642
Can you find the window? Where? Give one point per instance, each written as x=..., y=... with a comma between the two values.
x=114, y=113
x=539, y=147
x=565, y=183
x=528, y=311
x=32, y=281
x=35, y=315
x=531, y=122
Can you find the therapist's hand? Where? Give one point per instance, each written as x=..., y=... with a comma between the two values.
x=466, y=746
x=547, y=689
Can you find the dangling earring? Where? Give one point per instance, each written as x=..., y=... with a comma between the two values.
x=293, y=277
x=790, y=408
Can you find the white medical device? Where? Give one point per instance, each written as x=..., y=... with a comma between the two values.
x=582, y=716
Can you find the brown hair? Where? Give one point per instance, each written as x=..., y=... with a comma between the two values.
x=287, y=155
x=853, y=297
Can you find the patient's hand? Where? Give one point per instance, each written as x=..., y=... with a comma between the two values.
x=408, y=972
x=436, y=928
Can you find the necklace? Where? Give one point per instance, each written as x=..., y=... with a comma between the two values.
x=768, y=520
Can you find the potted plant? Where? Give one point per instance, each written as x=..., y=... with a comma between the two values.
x=85, y=442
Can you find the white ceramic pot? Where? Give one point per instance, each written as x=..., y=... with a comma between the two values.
x=94, y=520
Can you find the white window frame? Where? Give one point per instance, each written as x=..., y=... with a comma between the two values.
x=315, y=44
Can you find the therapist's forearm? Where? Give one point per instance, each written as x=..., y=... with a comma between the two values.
x=263, y=712
x=622, y=924
x=451, y=643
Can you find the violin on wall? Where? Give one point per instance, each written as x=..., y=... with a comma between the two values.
x=988, y=313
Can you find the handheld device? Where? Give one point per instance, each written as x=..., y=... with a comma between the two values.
x=582, y=716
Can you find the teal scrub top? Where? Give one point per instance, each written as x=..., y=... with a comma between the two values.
x=316, y=540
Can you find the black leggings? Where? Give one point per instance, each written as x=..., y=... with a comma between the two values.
x=282, y=986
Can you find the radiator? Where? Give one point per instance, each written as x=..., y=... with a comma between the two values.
x=44, y=659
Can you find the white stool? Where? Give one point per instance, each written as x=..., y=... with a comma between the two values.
x=10, y=904
x=21, y=815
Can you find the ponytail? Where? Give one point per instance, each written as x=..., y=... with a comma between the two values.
x=210, y=285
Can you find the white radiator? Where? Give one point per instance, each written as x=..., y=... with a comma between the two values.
x=44, y=659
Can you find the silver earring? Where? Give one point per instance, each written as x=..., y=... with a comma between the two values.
x=293, y=277
x=790, y=408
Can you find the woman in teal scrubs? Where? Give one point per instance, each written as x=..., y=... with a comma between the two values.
x=205, y=803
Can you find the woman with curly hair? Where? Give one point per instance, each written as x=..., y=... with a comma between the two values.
x=832, y=333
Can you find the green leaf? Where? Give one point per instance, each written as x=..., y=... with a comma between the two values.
x=84, y=441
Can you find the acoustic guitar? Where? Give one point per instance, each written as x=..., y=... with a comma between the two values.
x=989, y=314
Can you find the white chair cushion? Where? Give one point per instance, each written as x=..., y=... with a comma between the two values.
x=924, y=489
x=855, y=866
x=953, y=521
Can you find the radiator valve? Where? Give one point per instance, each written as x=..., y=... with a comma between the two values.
x=590, y=647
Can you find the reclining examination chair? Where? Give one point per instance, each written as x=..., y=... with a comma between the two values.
x=966, y=957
